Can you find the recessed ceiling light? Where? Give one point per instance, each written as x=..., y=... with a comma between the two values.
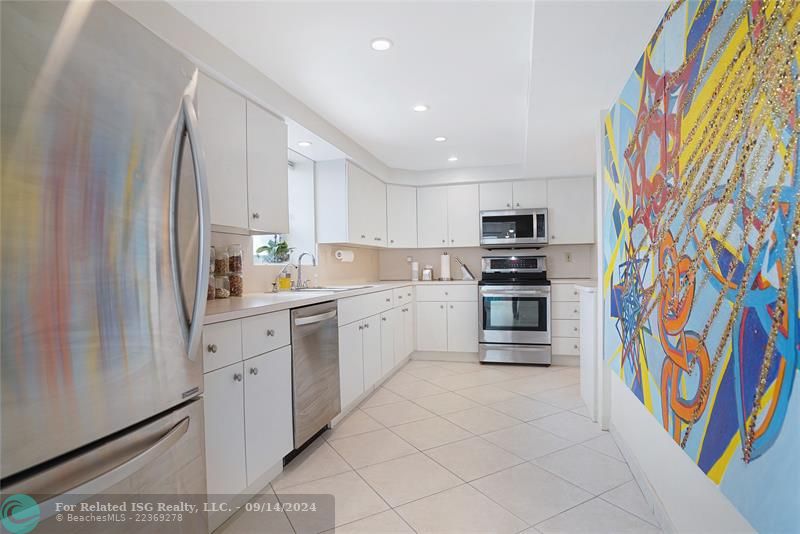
x=452, y=158
x=440, y=139
x=304, y=143
x=381, y=44
x=420, y=107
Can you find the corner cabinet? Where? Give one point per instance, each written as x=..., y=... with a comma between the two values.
x=246, y=161
x=448, y=216
x=570, y=210
x=401, y=216
x=447, y=317
x=351, y=205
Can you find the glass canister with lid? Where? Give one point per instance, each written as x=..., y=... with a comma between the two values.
x=221, y=263
x=212, y=259
x=235, y=275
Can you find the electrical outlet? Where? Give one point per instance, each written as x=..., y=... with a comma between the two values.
x=568, y=257
x=409, y=259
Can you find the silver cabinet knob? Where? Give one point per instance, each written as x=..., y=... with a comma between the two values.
x=391, y=241
x=441, y=306
x=270, y=333
x=256, y=215
x=444, y=240
x=517, y=204
x=574, y=311
x=575, y=329
x=366, y=325
x=363, y=236
x=212, y=348
x=388, y=300
x=376, y=238
x=237, y=377
x=446, y=293
x=399, y=296
x=575, y=346
x=508, y=204
x=451, y=306
x=383, y=318
x=361, y=327
x=452, y=240
x=552, y=237
x=254, y=370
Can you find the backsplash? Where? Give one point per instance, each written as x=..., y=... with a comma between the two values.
x=329, y=271
x=393, y=264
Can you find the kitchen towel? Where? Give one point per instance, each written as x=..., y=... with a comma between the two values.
x=445, y=268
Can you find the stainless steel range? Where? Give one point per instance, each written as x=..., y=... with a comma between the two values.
x=514, y=310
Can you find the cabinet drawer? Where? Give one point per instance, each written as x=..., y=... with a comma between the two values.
x=402, y=295
x=447, y=293
x=565, y=310
x=382, y=301
x=222, y=345
x=264, y=333
x=353, y=309
x=566, y=345
x=566, y=328
x=564, y=292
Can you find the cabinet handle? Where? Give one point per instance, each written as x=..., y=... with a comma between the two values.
x=508, y=205
x=574, y=311
x=452, y=240
x=363, y=236
x=383, y=318
x=446, y=293
x=552, y=237
x=441, y=306
x=376, y=238
x=399, y=296
x=388, y=300
x=574, y=292
x=270, y=333
x=575, y=329
x=361, y=327
x=237, y=377
x=212, y=348
x=254, y=370
x=451, y=306
x=366, y=325
x=391, y=241
x=575, y=346
x=517, y=204
x=256, y=215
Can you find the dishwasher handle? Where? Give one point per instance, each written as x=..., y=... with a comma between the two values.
x=313, y=319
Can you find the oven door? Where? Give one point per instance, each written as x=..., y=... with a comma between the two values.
x=515, y=314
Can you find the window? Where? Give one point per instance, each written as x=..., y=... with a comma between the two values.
x=301, y=237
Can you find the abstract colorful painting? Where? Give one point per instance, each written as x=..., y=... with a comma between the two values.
x=700, y=244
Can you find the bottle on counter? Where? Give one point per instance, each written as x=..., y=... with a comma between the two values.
x=235, y=258
x=236, y=282
x=221, y=263
x=222, y=287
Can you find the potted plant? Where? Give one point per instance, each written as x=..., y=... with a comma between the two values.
x=276, y=250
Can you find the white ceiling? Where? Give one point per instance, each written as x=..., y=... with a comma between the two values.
x=469, y=61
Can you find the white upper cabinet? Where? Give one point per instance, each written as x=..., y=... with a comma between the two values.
x=524, y=194
x=570, y=210
x=463, y=217
x=222, y=119
x=401, y=216
x=496, y=196
x=432, y=216
x=530, y=194
x=267, y=172
x=448, y=216
x=351, y=205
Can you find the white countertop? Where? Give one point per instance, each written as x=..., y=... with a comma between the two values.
x=586, y=282
x=220, y=310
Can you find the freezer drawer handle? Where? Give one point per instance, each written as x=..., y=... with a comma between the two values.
x=122, y=471
x=311, y=319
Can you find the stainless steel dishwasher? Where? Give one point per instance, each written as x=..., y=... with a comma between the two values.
x=315, y=369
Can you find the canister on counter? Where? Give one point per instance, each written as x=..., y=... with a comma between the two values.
x=235, y=258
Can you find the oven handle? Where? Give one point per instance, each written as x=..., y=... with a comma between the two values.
x=516, y=294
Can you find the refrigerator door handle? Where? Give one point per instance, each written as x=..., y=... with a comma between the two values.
x=193, y=324
x=117, y=473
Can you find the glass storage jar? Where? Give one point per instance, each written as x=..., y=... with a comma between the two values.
x=221, y=263
x=236, y=281
x=235, y=258
x=222, y=287
x=212, y=259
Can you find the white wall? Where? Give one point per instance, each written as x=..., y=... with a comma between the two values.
x=685, y=499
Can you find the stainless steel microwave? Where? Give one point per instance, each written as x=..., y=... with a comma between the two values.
x=514, y=228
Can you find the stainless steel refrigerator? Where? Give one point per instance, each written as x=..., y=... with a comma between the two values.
x=105, y=255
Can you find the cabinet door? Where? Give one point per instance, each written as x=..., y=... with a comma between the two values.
x=377, y=213
x=432, y=216
x=267, y=410
x=431, y=326
x=401, y=216
x=358, y=205
x=224, y=429
x=267, y=171
x=463, y=215
x=389, y=340
x=570, y=210
x=408, y=330
x=462, y=327
x=496, y=196
x=530, y=194
x=222, y=121
x=372, y=350
x=351, y=363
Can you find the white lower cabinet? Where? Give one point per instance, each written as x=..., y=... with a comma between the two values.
x=392, y=345
x=226, y=471
x=371, y=347
x=447, y=318
x=462, y=327
x=351, y=362
x=267, y=411
x=566, y=315
x=431, y=326
x=408, y=330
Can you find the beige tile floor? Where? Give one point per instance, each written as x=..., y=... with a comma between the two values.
x=452, y=447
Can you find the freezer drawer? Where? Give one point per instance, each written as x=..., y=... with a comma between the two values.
x=163, y=456
x=315, y=369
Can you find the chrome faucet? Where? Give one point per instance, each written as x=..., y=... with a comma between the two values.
x=300, y=283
